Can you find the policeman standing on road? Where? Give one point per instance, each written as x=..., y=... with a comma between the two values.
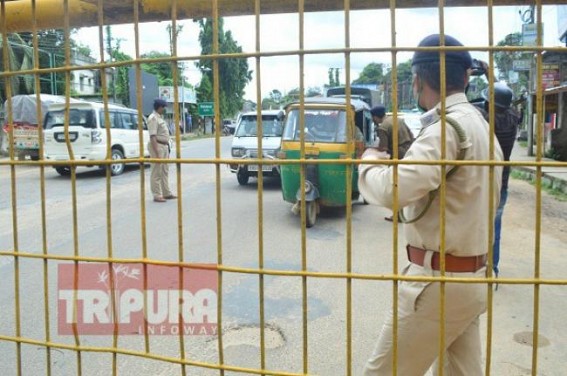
x=467, y=194
x=159, y=147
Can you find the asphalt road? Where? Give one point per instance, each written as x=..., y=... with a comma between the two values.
x=193, y=231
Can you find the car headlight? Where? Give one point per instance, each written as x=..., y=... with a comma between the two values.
x=238, y=152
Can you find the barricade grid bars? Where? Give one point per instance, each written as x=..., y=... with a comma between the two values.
x=47, y=259
x=491, y=206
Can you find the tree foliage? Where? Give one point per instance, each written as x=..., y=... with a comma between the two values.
x=233, y=72
x=163, y=70
x=334, y=77
x=172, y=35
x=373, y=73
x=273, y=100
x=121, y=87
x=403, y=72
x=505, y=61
x=51, y=53
x=20, y=57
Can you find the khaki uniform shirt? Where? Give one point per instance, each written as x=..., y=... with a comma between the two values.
x=157, y=127
x=386, y=138
x=467, y=190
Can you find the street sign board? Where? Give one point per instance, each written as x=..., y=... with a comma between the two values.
x=521, y=65
x=206, y=109
x=529, y=34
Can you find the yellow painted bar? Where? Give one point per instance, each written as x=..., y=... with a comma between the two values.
x=83, y=13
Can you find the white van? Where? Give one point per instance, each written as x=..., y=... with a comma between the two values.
x=87, y=134
x=245, y=143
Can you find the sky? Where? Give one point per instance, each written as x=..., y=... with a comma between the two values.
x=326, y=30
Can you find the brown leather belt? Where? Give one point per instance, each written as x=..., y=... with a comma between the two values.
x=162, y=142
x=453, y=264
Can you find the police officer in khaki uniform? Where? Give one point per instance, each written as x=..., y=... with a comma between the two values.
x=467, y=194
x=385, y=132
x=159, y=148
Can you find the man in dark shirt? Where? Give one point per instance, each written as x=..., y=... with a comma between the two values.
x=506, y=121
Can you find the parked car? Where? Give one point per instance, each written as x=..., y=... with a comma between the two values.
x=88, y=136
x=245, y=143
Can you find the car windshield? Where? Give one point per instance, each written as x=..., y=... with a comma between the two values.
x=271, y=126
x=320, y=126
x=77, y=118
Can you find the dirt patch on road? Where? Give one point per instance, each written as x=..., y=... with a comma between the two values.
x=520, y=210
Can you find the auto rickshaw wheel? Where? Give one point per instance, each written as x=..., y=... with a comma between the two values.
x=242, y=176
x=311, y=213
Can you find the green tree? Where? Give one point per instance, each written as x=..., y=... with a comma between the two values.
x=292, y=95
x=505, y=60
x=20, y=57
x=233, y=72
x=331, y=78
x=273, y=100
x=163, y=70
x=276, y=95
x=313, y=92
x=179, y=29
x=403, y=72
x=121, y=88
x=51, y=43
x=373, y=73
x=205, y=90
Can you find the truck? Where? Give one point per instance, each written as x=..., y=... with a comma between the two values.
x=370, y=96
x=24, y=122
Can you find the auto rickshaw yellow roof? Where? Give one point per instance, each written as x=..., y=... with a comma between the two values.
x=356, y=104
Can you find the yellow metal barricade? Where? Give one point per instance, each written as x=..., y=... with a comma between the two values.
x=35, y=15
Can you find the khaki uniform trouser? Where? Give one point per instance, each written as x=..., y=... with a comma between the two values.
x=159, y=176
x=419, y=328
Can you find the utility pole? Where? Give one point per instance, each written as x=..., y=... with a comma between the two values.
x=528, y=17
x=109, y=50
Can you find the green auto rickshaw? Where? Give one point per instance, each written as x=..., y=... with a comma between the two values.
x=327, y=134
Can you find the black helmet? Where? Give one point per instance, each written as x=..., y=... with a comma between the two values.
x=451, y=57
x=502, y=95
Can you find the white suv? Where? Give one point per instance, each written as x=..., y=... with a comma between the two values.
x=87, y=134
x=245, y=143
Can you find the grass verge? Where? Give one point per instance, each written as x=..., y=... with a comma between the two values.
x=547, y=185
x=195, y=136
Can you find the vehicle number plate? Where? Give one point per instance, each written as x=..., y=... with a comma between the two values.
x=264, y=167
x=27, y=145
